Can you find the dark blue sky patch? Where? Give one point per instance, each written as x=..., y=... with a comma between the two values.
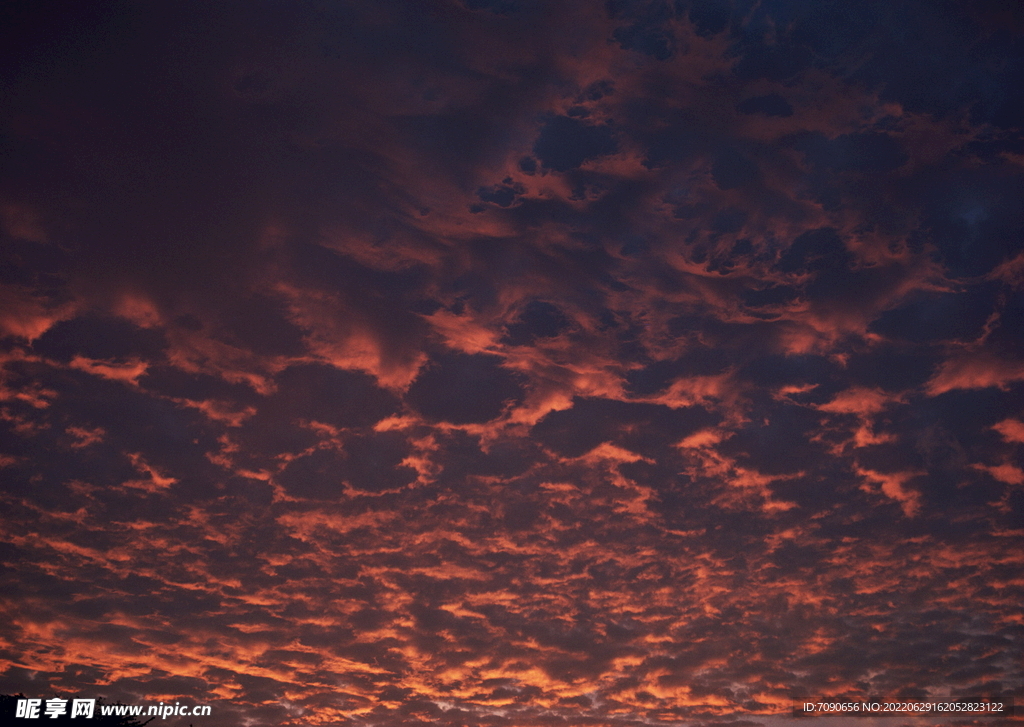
x=739, y=340
x=954, y=428
x=672, y=141
x=938, y=316
x=499, y=7
x=867, y=152
x=892, y=367
x=659, y=375
x=37, y=473
x=463, y=389
x=29, y=263
x=463, y=457
x=776, y=371
x=261, y=325
x=979, y=67
x=638, y=427
x=729, y=221
x=171, y=381
x=773, y=63
x=503, y=195
x=647, y=38
x=816, y=250
x=830, y=29
x=709, y=17
x=811, y=213
x=123, y=421
x=732, y=168
x=770, y=296
x=374, y=461
x=975, y=218
x=597, y=90
x=770, y=105
x=1005, y=335
x=100, y=337
x=565, y=143
x=780, y=444
x=1015, y=517
x=323, y=393
x=539, y=319
x=892, y=456
x=458, y=137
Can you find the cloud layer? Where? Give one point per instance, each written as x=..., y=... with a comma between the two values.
x=512, y=363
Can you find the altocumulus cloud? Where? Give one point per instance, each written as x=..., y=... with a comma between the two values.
x=510, y=362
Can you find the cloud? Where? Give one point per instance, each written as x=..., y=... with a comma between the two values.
x=511, y=362
x=1012, y=430
x=974, y=372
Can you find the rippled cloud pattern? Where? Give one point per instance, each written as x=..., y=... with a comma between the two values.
x=506, y=362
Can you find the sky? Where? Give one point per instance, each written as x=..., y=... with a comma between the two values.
x=512, y=362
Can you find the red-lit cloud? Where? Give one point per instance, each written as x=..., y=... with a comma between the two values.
x=487, y=361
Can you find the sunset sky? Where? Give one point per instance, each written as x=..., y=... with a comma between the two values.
x=512, y=362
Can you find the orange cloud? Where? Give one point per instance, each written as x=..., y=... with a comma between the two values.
x=1009, y=473
x=894, y=486
x=978, y=371
x=859, y=401
x=128, y=372
x=1012, y=430
x=27, y=316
